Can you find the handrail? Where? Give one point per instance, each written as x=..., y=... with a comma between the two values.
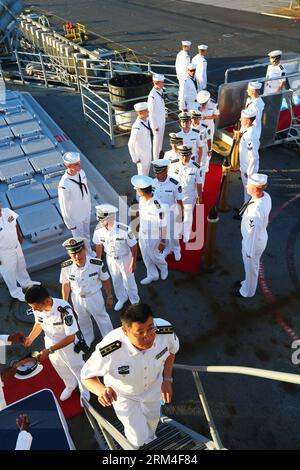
x=253, y=66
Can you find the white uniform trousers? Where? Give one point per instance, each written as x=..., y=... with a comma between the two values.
x=174, y=231
x=68, y=365
x=143, y=167
x=92, y=305
x=158, y=138
x=152, y=257
x=123, y=280
x=251, y=266
x=139, y=418
x=244, y=181
x=2, y=399
x=82, y=230
x=13, y=270
x=188, y=210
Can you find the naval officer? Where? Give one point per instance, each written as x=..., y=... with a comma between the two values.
x=201, y=63
x=120, y=246
x=83, y=277
x=140, y=140
x=209, y=111
x=7, y=340
x=56, y=319
x=157, y=113
x=275, y=71
x=255, y=103
x=175, y=140
x=12, y=261
x=182, y=61
x=255, y=218
x=136, y=362
x=188, y=89
x=74, y=198
x=190, y=136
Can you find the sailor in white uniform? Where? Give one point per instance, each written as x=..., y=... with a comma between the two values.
x=153, y=230
x=188, y=90
x=201, y=63
x=136, y=362
x=255, y=218
x=74, y=198
x=83, y=277
x=56, y=319
x=175, y=140
x=120, y=246
x=189, y=176
x=255, y=103
x=7, y=340
x=209, y=111
x=191, y=137
x=12, y=261
x=169, y=193
x=157, y=113
x=275, y=71
x=248, y=148
x=205, y=138
x=182, y=61
x=140, y=141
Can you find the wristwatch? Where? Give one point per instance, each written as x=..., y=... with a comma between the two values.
x=51, y=351
x=168, y=379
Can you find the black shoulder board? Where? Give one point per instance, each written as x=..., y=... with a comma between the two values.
x=96, y=261
x=165, y=330
x=110, y=348
x=281, y=67
x=157, y=204
x=68, y=262
x=175, y=161
x=196, y=130
x=122, y=226
x=174, y=181
x=196, y=164
x=137, y=128
x=204, y=125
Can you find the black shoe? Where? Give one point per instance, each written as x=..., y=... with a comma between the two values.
x=237, y=217
x=238, y=283
x=236, y=293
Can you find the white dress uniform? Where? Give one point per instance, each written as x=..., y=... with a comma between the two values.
x=12, y=261
x=256, y=105
x=249, y=156
x=276, y=72
x=117, y=243
x=56, y=327
x=140, y=145
x=188, y=89
x=168, y=193
x=191, y=139
x=136, y=376
x=211, y=109
x=204, y=135
x=183, y=59
x=152, y=220
x=171, y=155
x=188, y=176
x=87, y=296
x=157, y=118
x=254, y=232
x=201, y=70
x=3, y=342
x=75, y=204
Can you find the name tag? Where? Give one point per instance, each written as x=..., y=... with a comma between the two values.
x=72, y=278
x=161, y=353
x=123, y=370
x=168, y=191
x=93, y=274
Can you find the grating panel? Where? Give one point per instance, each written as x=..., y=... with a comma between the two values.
x=47, y=162
x=26, y=194
x=10, y=151
x=37, y=145
x=10, y=104
x=5, y=133
x=15, y=118
x=25, y=129
x=16, y=171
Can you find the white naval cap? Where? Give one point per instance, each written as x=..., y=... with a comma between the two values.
x=143, y=106
x=184, y=150
x=257, y=179
x=255, y=85
x=203, y=47
x=248, y=113
x=186, y=43
x=160, y=165
x=73, y=245
x=192, y=66
x=104, y=210
x=71, y=157
x=157, y=77
x=141, y=181
x=203, y=96
x=274, y=54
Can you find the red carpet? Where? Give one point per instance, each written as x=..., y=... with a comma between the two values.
x=191, y=258
x=15, y=389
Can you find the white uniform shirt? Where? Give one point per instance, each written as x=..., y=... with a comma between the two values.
x=8, y=232
x=201, y=70
x=274, y=71
x=75, y=203
x=168, y=192
x=139, y=143
x=129, y=371
x=55, y=326
x=85, y=280
x=117, y=241
x=248, y=151
x=171, y=155
x=191, y=139
x=181, y=64
x=156, y=107
x=188, y=89
x=211, y=109
x=152, y=218
x=257, y=105
x=254, y=224
x=24, y=441
x=188, y=176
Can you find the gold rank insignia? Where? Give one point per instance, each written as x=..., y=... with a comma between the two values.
x=164, y=330
x=110, y=348
x=72, y=242
x=10, y=218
